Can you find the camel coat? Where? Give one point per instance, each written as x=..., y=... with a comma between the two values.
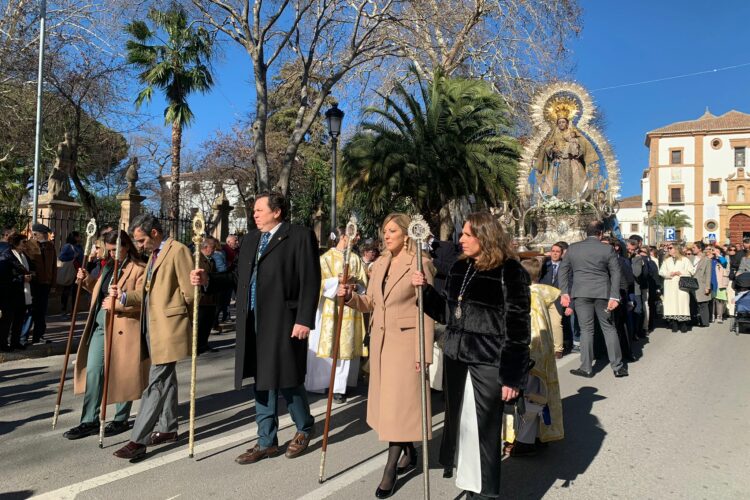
x=394, y=397
x=170, y=304
x=128, y=375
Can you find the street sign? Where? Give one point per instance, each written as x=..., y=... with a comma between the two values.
x=712, y=237
x=670, y=234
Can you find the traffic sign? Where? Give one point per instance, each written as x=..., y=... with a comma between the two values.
x=712, y=237
x=670, y=233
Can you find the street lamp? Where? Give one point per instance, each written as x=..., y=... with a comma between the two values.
x=649, y=206
x=334, y=117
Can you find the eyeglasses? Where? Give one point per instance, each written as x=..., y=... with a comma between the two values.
x=670, y=248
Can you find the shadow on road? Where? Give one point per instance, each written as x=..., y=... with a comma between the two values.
x=17, y=495
x=531, y=478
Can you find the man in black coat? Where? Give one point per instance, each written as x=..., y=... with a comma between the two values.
x=278, y=281
x=549, y=276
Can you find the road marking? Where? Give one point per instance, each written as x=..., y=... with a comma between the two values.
x=331, y=486
x=73, y=490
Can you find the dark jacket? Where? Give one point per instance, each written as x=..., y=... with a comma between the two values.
x=12, y=275
x=444, y=254
x=45, y=264
x=547, y=276
x=287, y=288
x=495, y=326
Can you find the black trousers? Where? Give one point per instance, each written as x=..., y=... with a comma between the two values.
x=704, y=313
x=40, y=299
x=206, y=318
x=489, y=408
x=11, y=323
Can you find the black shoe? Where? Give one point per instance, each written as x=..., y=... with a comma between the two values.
x=409, y=467
x=447, y=472
x=83, y=430
x=17, y=346
x=385, y=493
x=581, y=373
x=114, y=428
x=683, y=327
x=339, y=398
x=622, y=372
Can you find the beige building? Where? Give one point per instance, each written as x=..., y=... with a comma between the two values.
x=699, y=168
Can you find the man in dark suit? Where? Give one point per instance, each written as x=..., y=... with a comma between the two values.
x=278, y=281
x=590, y=276
x=550, y=276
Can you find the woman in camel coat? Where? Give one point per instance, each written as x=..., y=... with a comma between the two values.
x=394, y=397
x=128, y=374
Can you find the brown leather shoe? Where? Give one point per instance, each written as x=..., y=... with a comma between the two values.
x=257, y=453
x=158, y=438
x=298, y=445
x=131, y=451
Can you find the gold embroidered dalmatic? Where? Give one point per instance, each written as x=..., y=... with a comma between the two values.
x=352, y=326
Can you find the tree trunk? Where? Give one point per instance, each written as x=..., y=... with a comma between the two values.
x=174, y=205
x=259, y=125
x=446, y=224
x=88, y=200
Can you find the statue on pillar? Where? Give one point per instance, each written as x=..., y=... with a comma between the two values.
x=58, y=184
x=131, y=175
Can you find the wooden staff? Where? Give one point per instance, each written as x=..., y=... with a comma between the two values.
x=351, y=233
x=199, y=225
x=418, y=231
x=90, y=231
x=108, y=339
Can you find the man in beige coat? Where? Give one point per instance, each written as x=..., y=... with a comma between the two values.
x=166, y=289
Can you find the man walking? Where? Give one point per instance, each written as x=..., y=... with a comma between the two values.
x=590, y=276
x=44, y=278
x=278, y=280
x=166, y=300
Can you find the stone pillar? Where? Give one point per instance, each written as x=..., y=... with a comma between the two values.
x=60, y=216
x=130, y=199
x=221, y=209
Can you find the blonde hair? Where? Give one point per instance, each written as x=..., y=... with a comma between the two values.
x=402, y=221
x=494, y=243
x=678, y=251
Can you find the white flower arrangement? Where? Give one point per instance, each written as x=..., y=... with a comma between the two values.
x=555, y=205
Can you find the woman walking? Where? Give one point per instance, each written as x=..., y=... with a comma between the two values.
x=394, y=397
x=486, y=350
x=676, y=302
x=128, y=374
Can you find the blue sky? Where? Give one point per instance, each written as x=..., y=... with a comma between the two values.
x=622, y=42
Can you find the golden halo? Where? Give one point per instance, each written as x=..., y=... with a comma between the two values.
x=561, y=106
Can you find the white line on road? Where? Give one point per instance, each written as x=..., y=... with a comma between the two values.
x=73, y=490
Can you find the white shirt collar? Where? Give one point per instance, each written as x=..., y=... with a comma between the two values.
x=275, y=229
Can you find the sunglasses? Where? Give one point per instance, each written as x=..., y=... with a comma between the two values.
x=670, y=248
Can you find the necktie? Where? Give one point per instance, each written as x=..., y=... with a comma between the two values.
x=264, y=239
x=554, y=271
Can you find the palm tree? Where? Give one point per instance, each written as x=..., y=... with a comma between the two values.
x=177, y=64
x=448, y=141
x=672, y=218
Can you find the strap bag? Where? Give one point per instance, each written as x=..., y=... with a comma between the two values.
x=688, y=284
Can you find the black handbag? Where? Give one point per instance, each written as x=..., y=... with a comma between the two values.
x=688, y=284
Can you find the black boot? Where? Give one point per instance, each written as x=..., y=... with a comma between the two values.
x=683, y=326
x=674, y=326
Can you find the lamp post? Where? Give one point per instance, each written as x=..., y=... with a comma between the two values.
x=38, y=135
x=649, y=206
x=334, y=117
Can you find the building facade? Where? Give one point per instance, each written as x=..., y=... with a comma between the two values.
x=630, y=216
x=699, y=168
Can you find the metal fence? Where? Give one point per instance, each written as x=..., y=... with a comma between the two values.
x=63, y=226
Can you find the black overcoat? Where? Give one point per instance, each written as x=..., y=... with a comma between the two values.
x=287, y=288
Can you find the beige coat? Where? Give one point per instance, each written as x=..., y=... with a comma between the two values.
x=128, y=375
x=169, y=304
x=394, y=397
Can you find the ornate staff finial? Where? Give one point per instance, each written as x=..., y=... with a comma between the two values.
x=418, y=230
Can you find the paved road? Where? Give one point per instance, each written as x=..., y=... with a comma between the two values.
x=676, y=428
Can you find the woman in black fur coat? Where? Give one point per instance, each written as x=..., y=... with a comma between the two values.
x=486, y=307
